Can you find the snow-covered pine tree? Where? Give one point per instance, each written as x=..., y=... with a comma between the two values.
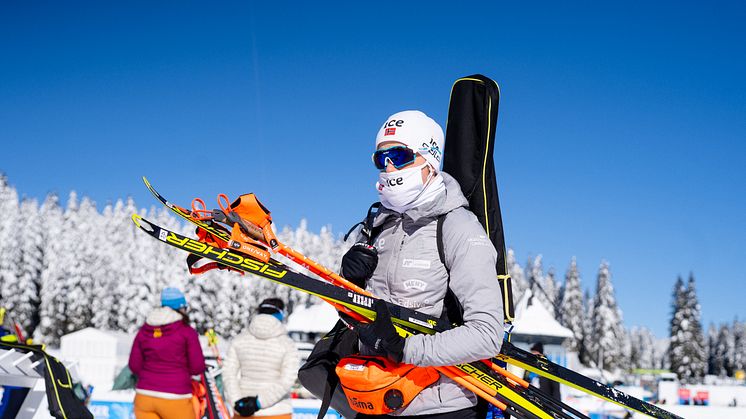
x=78, y=235
x=322, y=248
x=223, y=310
x=636, y=348
x=135, y=297
x=642, y=348
x=696, y=345
x=240, y=305
x=10, y=251
x=102, y=294
x=607, y=329
x=122, y=316
x=584, y=351
x=647, y=343
x=51, y=320
x=686, y=350
x=677, y=326
x=517, y=276
x=536, y=281
x=572, y=314
x=712, y=338
x=552, y=290
x=24, y=300
x=739, y=345
x=723, y=355
x=626, y=344
x=660, y=351
x=529, y=271
x=203, y=295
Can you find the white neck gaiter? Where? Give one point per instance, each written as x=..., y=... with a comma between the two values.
x=404, y=189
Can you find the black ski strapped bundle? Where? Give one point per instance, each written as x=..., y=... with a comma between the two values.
x=317, y=374
x=470, y=143
x=61, y=398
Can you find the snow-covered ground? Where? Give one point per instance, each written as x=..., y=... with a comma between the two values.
x=596, y=408
x=707, y=412
x=721, y=397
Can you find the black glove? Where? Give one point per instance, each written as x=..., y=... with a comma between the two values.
x=247, y=406
x=381, y=335
x=359, y=263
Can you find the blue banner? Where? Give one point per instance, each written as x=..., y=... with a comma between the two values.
x=111, y=410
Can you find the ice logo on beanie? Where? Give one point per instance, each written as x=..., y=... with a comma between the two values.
x=431, y=148
x=393, y=123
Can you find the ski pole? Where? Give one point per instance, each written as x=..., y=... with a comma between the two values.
x=458, y=378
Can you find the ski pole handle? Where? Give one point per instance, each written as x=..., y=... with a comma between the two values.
x=250, y=229
x=253, y=230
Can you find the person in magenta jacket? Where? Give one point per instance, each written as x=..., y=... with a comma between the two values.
x=165, y=354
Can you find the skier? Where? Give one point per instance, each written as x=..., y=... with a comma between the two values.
x=262, y=365
x=404, y=265
x=165, y=354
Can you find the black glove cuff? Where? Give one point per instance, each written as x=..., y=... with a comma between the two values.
x=359, y=263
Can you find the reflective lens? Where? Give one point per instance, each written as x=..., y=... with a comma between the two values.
x=399, y=156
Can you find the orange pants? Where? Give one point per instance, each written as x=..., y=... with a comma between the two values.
x=147, y=407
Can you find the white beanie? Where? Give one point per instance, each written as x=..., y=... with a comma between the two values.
x=417, y=131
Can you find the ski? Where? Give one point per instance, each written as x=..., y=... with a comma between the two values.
x=281, y=274
x=409, y=319
x=215, y=405
x=542, y=366
x=187, y=215
x=509, y=353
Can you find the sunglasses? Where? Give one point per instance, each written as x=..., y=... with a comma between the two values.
x=397, y=155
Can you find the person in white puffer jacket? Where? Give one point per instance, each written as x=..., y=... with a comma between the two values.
x=262, y=365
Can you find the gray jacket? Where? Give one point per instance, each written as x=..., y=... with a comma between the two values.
x=410, y=273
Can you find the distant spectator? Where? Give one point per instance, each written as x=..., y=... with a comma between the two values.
x=262, y=365
x=550, y=387
x=165, y=354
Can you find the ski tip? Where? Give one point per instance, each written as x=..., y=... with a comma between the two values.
x=142, y=223
x=147, y=183
x=137, y=219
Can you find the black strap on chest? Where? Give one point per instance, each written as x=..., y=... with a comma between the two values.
x=452, y=309
x=369, y=232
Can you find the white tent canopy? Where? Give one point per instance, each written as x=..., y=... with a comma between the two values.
x=535, y=319
x=318, y=318
x=96, y=355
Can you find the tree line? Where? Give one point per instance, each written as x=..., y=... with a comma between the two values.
x=66, y=268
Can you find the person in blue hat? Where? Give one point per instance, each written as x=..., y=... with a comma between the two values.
x=165, y=354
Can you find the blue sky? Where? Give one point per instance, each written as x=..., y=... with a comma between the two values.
x=621, y=132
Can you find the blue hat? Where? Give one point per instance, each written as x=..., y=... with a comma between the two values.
x=173, y=297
